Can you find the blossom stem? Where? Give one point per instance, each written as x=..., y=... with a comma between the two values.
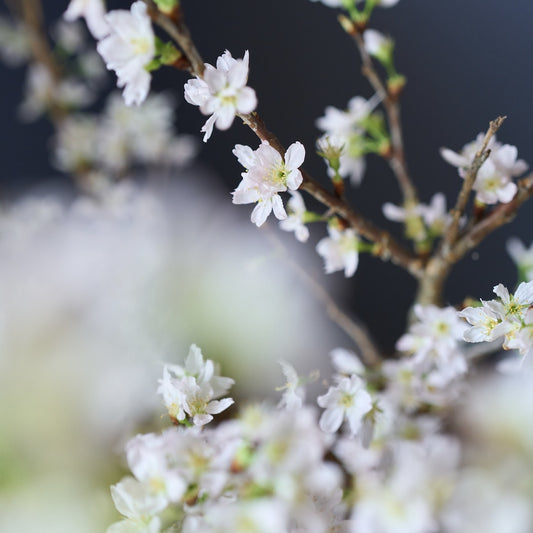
x=468, y=183
x=387, y=247
x=180, y=33
x=453, y=248
x=392, y=108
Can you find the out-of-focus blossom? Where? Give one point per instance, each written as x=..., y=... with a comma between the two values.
x=128, y=49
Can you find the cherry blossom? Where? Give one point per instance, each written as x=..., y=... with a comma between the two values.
x=222, y=93
x=339, y=250
x=93, y=11
x=267, y=175
x=295, y=220
x=349, y=401
x=128, y=49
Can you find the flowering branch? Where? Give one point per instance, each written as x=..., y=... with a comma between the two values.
x=503, y=214
x=387, y=247
x=454, y=246
x=468, y=183
x=180, y=33
x=397, y=157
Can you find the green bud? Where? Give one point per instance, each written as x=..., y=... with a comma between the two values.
x=169, y=54
x=167, y=6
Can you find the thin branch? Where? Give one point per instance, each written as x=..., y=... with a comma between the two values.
x=180, y=33
x=438, y=267
x=366, y=349
x=462, y=199
x=503, y=214
x=388, y=248
x=392, y=108
x=31, y=13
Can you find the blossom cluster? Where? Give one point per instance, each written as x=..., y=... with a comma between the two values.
x=267, y=469
x=422, y=221
x=509, y=316
x=494, y=181
x=270, y=469
x=434, y=361
x=344, y=132
x=112, y=142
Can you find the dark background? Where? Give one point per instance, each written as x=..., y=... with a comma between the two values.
x=466, y=61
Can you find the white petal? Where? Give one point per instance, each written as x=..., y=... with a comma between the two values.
x=295, y=155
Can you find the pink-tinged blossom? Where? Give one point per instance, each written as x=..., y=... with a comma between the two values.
x=128, y=49
x=93, y=11
x=339, y=251
x=267, y=175
x=348, y=400
x=222, y=93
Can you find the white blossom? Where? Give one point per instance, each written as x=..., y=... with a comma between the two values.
x=375, y=42
x=128, y=49
x=339, y=251
x=487, y=324
x=293, y=390
x=192, y=390
x=522, y=256
x=492, y=186
x=493, y=183
x=139, y=505
x=267, y=175
x=42, y=92
x=93, y=11
x=295, y=220
x=348, y=400
x=343, y=129
x=222, y=93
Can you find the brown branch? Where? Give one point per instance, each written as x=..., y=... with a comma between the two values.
x=180, y=33
x=392, y=108
x=31, y=14
x=462, y=199
x=388, y=248
x=438, y=267
x=365, y=346
x=502, y=214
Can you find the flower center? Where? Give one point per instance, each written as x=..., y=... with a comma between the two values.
x=140, y=46
x=346, y=400
x=277, y=175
